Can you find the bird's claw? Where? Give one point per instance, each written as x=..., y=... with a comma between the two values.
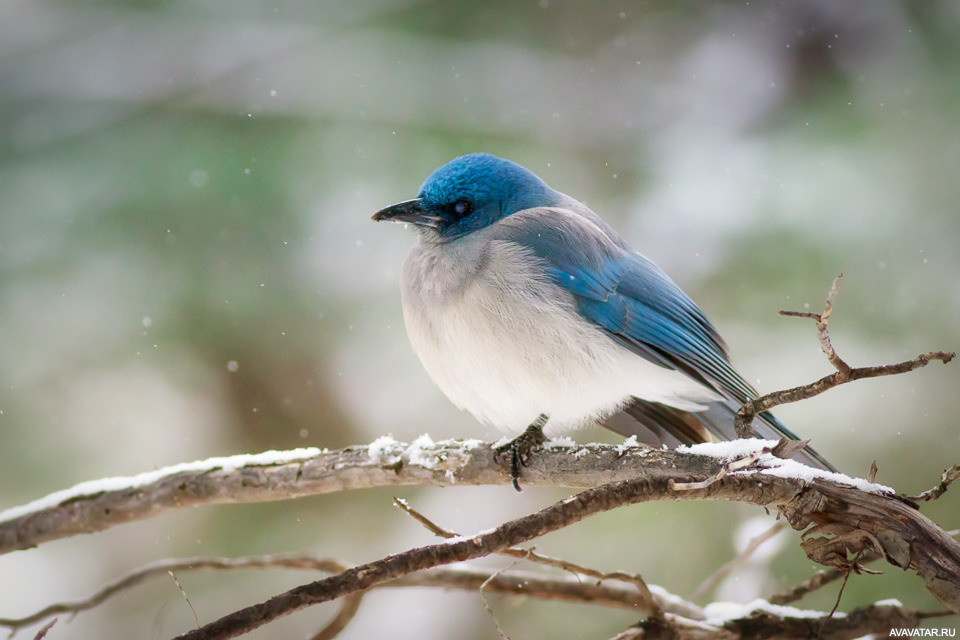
x=520, y=449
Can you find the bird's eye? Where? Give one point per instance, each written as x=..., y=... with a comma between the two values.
x=462, y=208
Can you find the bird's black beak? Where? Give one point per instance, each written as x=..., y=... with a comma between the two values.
x=411, y=211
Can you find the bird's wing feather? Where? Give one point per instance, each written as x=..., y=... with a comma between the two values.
x=626, y=295
x=636, y=303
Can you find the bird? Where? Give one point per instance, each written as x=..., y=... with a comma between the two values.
x=529, y=310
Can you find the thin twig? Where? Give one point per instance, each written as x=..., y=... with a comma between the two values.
x=42, y=633
x=836, y=604
x=170, y=565
x=729, y=467
x=948, y=477
x=814, y=582
x=185, y=597
x=653, y=606
x=844, y=372
x=486, y=604
x=348, y=609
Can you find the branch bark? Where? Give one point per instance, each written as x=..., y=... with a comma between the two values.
x=616, y=592
x=844, y=519
x=682, y=619
x=88, y=508
x=841, y=519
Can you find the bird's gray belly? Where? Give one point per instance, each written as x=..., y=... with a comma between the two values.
x=507, y=344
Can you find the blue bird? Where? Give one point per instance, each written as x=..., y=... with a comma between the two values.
x=528, y=310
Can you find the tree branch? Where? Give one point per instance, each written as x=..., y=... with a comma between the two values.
x=844, y=372
x=949, y=477
x=684, y=619
x=650, y=603
x=762, y=624
x=95, y=506
x=865, y=520
x=868, y=516
x=609, y=592
x=162, y=567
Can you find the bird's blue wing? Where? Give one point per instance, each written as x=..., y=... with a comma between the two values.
x=627, y=295
x=636, y=303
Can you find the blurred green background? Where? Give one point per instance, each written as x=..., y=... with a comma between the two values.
x=188, y=268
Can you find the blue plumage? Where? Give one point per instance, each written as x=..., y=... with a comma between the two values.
x=522, y=302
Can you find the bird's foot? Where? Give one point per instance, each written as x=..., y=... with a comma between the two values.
x=521, y=447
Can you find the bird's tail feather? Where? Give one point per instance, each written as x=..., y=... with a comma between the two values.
x=669, y=425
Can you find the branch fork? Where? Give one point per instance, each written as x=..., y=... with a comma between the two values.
x=844, y=372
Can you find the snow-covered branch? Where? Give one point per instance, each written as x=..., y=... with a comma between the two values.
x=844, y=516
x=283, y=475
x=841, y=516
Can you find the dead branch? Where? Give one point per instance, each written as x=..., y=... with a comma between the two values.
x=606, y=592
x=949, y=477
x=163, y=567
x=651, y=604
x=844, y=372
x=348, y=609
x=816, y=581
x=864, y=520
x=872, y=519
x=242, y=479
x=825, y=577
x=388, y=464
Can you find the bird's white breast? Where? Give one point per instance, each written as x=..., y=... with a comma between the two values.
x=506, y=344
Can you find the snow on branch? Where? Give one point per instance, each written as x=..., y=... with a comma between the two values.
x=282, y=475
x=841, y=516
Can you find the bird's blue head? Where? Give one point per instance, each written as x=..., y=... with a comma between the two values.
x=469, y=193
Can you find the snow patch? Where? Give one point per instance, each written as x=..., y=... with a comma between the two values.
x=666, y=597
x=380, y=447
x=629, y=443
x=416, y=455
x=728, y=449
x=889, y=602
x=422, y=452
x=720, y=612
x=774, y=466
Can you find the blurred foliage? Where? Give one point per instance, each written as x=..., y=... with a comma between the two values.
x=188, y=269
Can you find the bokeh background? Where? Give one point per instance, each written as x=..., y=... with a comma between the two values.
x=188, y=267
